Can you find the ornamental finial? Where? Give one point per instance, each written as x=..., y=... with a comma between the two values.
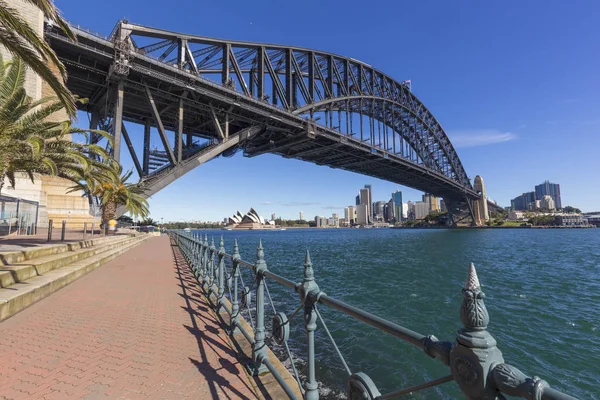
x=221, y=245
x=308, y=269
x=472, y=282
x=260, y=253
x=236, y=250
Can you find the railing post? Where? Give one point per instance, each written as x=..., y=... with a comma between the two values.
x=309, y=292
x=235, y=305
x=259, y=349
x=49, y=230
x=195, y=257
x=211, y=266
x=204, y=259
x=62, y=232
x=475, y=354
x=221, y=274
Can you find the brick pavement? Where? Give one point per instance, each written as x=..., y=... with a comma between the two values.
x=136, y=328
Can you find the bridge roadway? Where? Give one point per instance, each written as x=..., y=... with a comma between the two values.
x=222, y=96
x=136, y=328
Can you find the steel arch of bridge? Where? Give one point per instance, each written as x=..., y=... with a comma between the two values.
x=263, y=98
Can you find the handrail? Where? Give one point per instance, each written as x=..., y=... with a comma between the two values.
x=476, y=364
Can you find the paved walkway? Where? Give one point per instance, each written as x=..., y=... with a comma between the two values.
x=136, y=328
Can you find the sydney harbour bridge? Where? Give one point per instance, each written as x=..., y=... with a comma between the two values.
x=199, y=98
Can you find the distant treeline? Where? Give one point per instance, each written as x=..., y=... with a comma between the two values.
x=191, y=225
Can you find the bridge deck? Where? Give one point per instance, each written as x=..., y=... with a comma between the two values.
x=135, y=328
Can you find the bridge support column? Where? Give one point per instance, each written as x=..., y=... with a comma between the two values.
x=118, y=121
x=146, y=154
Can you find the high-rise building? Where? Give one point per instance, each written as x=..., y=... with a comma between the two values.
x=432, y=202
x=549, y=189
x=398, y=205
x=379, y=211
x=404, y=211
x=357, y=202
x=362, y=214
x=389, y=211
x=410, y=214
x=521, y=202
x=335, y=215
x=273, y=217
x=365, y=200
x=301, y=215
x=349, y=215
x=421, y=209
x=370, y=201
x=443, y=206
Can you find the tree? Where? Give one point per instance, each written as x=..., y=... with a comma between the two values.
x=125, y=218
x=17, y=36
x=569, y=209
x=111, y=186
x=149, y=221
x=29, y=142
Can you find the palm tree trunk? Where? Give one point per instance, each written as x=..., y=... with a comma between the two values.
x=109, y=210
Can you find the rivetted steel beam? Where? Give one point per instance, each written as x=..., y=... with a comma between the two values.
x=146, y=147
x=279, y=147
x=238, y=72
x=179, y=136
x=161, y=128
x=216, y=123
x=136, y=161
x=316, y=151
x=118, y=121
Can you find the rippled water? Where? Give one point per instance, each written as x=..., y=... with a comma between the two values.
x=542, y=291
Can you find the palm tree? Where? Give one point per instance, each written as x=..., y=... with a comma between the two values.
x=31, y=144
x=111, y=186
x=17, y=36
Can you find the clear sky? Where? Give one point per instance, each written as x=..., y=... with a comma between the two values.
x=515, y=84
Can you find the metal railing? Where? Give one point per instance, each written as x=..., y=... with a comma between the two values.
x=475, y=363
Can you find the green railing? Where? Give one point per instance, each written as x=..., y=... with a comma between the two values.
x=474, y=361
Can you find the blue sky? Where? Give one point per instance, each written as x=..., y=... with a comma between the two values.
x=514, y=84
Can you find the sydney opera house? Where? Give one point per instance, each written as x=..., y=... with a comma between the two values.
x=251, y=220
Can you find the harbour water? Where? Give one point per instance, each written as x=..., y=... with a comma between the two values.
x=542, y=292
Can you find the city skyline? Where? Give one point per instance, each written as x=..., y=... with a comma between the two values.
x=496, y=96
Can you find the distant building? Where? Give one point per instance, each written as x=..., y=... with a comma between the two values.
x=593, y=219
x=379, y=211
x=410, y=213
x=362, y=214
x=516, y=215
x=301, y=215
x=250, y=220
x=350, y=215
x=365, y=200
x=571, y=220
x=421, y=209
x=405, y=211
x=389, y=211
x=399, y=211
x=522, y=202
x=335, y=215
x=432, y=202
x=357, y=202
x=443, y=206
x=321, y=222
x=273, y=217
x=547, y=202
x=549, y=189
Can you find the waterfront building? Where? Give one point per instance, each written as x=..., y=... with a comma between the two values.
x=421, y=209
x=378, y=210
x=301, y=215
x=362, y=214
x=321, y=222
x=547, y=202
x=593, y=219
x=398, y=206
x=365, y=200
x=250, y=220
x=549, y=189
x=333, y=222
x=516, y=216
x=571, y=220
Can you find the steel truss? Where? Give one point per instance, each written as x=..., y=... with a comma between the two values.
x=206, y=96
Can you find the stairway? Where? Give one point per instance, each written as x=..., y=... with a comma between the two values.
x=31, y=275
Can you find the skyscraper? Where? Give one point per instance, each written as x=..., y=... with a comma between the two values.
x=369, y=202
x=379, y=211
x=365, y=200
x=548, y=189
x=350, y=215
x=362, y=214
x=301, y=215
x=398, y=205
x=432, y=202
x=389, y=211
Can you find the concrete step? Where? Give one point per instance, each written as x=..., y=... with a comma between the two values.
x=20, y=272
x=23, y=294
x=14, y=257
